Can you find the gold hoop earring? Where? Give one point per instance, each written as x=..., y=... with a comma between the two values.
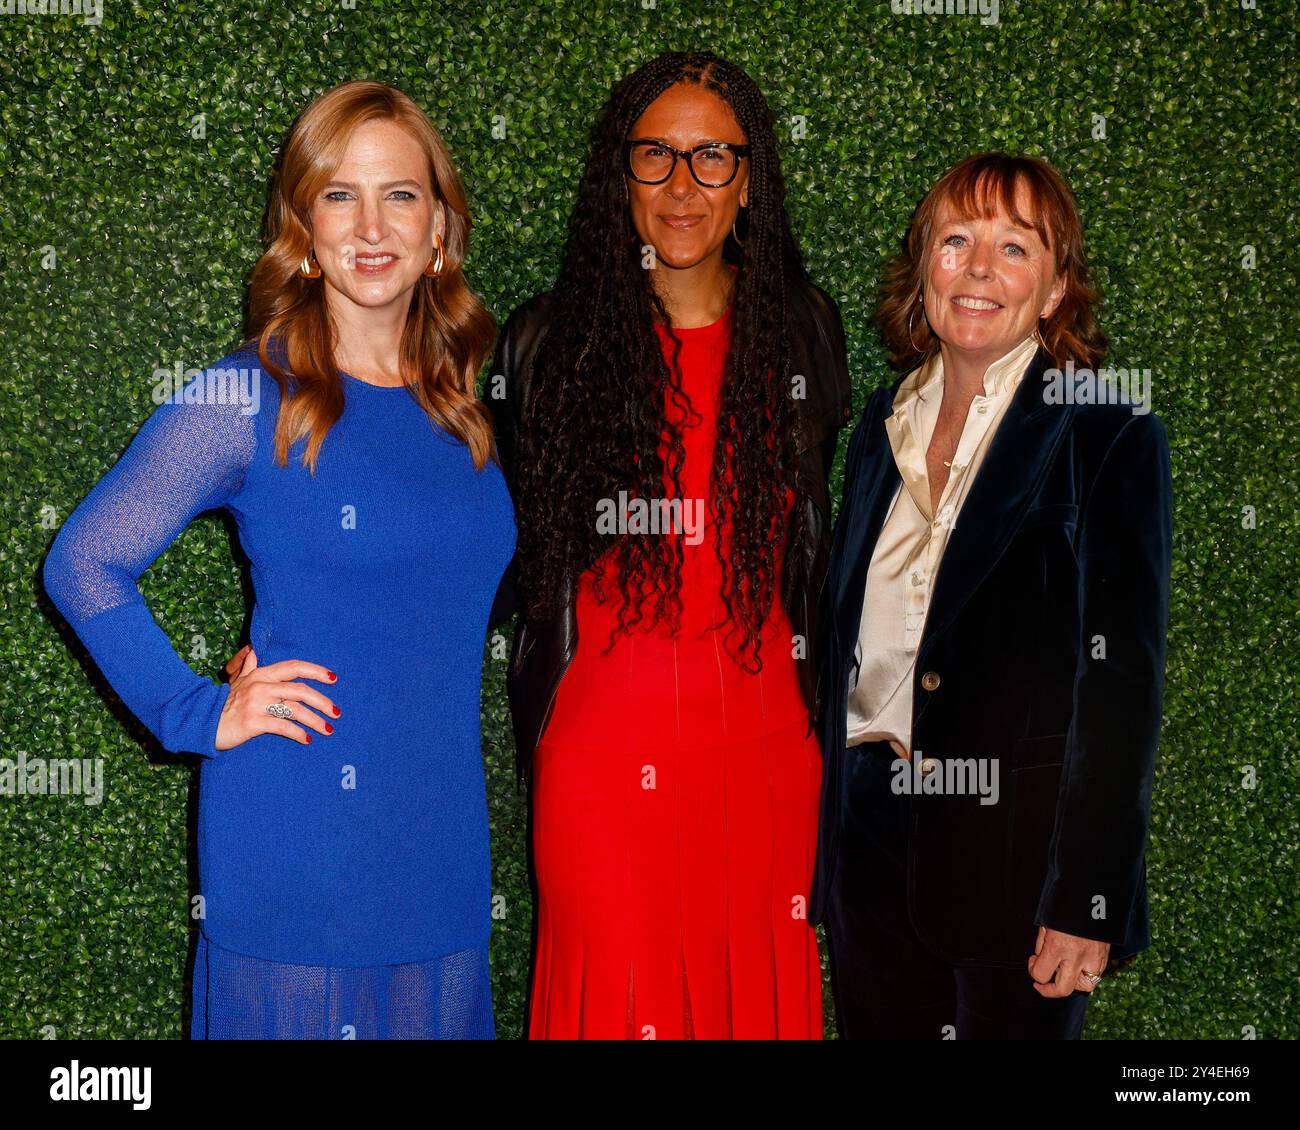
x=919, y=306
x=433, y=268
x=307, y=268
x=739, y=242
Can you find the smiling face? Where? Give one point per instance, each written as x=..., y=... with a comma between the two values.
x=685, y=222
x=987, y=281
x=373, y=223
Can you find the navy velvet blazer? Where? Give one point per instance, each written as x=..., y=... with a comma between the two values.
x=1046, y=631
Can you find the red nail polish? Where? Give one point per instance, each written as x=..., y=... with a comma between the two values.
x=328, y=728
x=331, y=675
x=336, y=710
x=309, y=739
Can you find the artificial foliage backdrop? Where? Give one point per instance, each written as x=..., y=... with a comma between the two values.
x=136, y=154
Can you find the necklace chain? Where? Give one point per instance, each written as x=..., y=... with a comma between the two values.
x=948, y=436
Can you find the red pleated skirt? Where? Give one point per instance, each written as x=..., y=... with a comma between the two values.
x=675, y=823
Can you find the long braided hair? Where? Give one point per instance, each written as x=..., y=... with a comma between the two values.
x=597, y=415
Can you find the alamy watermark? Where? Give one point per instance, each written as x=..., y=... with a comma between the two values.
x=987, y=10
x=179, y=385
x=951, y=776
x=91, y=11
x=58, y=776
x=1104, y=386
x=684, y=516
x=76, y=1083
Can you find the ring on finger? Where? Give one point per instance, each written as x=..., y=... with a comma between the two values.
x=1091, y=978
x=279, y=710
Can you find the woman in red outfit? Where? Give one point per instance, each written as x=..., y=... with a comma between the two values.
x=668, y=420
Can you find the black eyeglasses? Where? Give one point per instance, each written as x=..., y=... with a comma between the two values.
x=713, y=164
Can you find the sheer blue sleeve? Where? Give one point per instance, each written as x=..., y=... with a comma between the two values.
x=190, y=455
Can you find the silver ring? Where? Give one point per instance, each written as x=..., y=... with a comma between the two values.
x=1091, y=978
x=279, y=710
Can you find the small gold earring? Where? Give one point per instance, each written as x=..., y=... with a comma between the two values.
x=308, y=268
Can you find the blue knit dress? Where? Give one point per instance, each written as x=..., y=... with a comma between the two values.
x=345, y=884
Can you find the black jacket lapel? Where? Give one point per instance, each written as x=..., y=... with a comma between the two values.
x=1006, y=482
x=868, y=488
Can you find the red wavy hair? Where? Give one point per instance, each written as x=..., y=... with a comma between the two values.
x=448, y=330
x=978, y=186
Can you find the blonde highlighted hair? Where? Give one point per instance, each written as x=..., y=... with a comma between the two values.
x=448, y=330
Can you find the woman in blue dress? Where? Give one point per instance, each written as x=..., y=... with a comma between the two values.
x=345, y=884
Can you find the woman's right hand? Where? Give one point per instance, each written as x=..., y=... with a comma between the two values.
x=254, y=688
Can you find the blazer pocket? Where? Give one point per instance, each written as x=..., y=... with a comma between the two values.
x=1057, y=513
x=1034, y=787
x=1032, y=753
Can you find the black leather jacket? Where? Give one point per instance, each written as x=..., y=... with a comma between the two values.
x=544, y=648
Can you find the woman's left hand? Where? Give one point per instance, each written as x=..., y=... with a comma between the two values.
x=1059, y=962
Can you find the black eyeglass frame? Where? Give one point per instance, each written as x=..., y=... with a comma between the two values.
x=688, y=155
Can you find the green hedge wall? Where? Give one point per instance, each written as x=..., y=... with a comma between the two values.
x=136, y=157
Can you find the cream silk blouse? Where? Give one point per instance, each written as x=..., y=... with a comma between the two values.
x=905, y=563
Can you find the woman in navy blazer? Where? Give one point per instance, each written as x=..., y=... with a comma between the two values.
x=982, y=847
